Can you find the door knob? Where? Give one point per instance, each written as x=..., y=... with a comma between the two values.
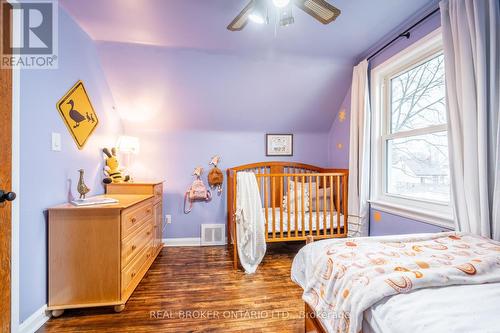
x=7, y=196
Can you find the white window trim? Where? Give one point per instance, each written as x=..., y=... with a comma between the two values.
x=421, y=210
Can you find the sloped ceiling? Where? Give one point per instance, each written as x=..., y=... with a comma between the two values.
x=171, y=64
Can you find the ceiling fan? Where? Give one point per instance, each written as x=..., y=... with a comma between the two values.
x=257, y=10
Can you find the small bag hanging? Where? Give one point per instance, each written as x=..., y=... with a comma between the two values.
x=197, y=192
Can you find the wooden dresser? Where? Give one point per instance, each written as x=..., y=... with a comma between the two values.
x=151, y=188
x=99, y=254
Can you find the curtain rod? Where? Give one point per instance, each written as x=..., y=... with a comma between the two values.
x=406, y=34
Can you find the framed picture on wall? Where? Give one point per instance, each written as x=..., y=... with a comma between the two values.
x=279, y=144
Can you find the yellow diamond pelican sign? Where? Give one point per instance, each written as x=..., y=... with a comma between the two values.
x=78, y=114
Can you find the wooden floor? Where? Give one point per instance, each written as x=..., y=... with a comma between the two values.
x=195, y=289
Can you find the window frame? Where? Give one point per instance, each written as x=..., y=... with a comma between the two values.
x=433, y=212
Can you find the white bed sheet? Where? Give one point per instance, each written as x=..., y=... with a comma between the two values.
x=307, y=216
x=457, y=309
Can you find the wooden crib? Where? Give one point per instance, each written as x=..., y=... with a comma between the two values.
x=299, y=200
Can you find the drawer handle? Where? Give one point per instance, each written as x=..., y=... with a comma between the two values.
x=134, y=247
x=158, y=192
x=148, y=233
x=133, y=220
x=148, y=211
x=133, y=274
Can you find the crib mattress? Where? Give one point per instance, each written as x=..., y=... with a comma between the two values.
x=307, y=216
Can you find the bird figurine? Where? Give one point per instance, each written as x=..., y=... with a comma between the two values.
x=75, y=115
x=81, y=187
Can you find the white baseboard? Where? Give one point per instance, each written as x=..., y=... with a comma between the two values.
x=35, y=321
x=193, y=241
x=190, y=241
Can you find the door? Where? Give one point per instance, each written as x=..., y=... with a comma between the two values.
x=5, y=177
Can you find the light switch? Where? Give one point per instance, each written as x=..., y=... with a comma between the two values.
x=56, y=141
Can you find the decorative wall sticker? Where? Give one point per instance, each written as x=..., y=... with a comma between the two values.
x=78, y=114
x=377, y=216
x=340, y=146
x=342, y=115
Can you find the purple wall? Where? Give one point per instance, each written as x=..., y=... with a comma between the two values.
x=167, y=89
x=383, y=223
x=44, y=173
x=429, y=25
x=173, y=156
x=338, y=137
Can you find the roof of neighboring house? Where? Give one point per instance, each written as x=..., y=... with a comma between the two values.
x=425, y=168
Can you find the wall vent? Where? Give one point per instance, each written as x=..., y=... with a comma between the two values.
x=213, y=234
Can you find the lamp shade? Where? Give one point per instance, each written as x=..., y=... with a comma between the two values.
x=128, y=144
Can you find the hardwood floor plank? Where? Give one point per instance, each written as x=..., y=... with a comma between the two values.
x=195, y=289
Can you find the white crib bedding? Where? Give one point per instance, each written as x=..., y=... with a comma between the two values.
x=307, y=216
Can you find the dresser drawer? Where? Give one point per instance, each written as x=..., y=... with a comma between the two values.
x=158, y=193
x=134, y=217
x=138, y=240
x=133, y=273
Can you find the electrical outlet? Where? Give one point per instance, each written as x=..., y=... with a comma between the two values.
x=168, y=219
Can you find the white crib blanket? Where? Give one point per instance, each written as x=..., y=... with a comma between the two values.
x=250, y=222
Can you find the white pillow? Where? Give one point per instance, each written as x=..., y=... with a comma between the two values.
x=299, y=203
x=291, y=186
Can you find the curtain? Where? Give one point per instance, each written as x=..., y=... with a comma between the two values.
x=471, y=50
x=359, y=153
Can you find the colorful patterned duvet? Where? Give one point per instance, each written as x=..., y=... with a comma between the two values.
x=352, y=275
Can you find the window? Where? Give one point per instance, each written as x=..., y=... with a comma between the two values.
x=410, y=144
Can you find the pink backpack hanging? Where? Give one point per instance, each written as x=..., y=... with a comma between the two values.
x=196, y=192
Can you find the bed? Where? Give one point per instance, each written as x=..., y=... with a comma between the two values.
x=299, y=200
x=466, y=302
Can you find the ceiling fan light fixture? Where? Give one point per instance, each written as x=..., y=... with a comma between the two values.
x=280, y=3
x=286, y=17
x=257, y=18
x=259, y=12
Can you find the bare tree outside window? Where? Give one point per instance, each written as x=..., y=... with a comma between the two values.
x=417, y=145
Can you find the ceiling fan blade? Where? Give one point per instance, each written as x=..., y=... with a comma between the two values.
x=241, y=20
x=319, y=9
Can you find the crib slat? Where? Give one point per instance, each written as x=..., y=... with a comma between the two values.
x=332, y=209
x=289, y=223
x=303, y=205
x=338, y=203
x=281, y=207
x=273, y=198
x=310, y=207
x=295, y=207
x=265, y=207
x=324, y=205
x=317, y=206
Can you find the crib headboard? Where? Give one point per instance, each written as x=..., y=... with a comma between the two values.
x=275, y=167
x=270, y=168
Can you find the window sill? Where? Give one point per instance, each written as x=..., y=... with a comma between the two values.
x=434, y=218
